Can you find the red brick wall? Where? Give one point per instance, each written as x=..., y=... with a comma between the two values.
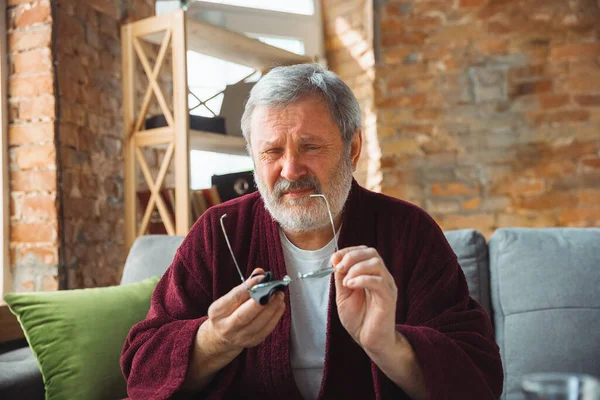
x=488, y=111
x=71, y=140
x=33, y=224
x=91, y=136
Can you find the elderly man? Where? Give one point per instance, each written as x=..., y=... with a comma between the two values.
x=394, y=320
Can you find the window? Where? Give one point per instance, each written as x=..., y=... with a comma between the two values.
x=293, y=25
x=207, y=76
x=298, y=20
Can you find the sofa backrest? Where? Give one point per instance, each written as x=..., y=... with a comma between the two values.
x=149, y=256
x=472, y=252
x=545, y=291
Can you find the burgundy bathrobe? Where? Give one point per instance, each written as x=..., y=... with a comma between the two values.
x=451, y=334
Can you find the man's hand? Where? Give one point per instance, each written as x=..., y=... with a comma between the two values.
x=235, y=322
x=239, y=322
x=366, y=297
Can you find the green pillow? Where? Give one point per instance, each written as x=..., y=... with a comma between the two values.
x=77, y=336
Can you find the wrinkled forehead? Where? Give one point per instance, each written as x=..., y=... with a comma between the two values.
x=313, y=105
x=308, y=115
x=266, y=116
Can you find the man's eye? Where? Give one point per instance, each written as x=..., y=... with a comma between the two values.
x=312, y=147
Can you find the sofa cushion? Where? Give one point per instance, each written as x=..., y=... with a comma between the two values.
x=77, y=336
x=472, y=252
x=150, y=255
x=544, y=290
x=20, y=376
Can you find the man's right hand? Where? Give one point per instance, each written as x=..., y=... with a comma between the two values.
x=238, y=322
x=235, y=322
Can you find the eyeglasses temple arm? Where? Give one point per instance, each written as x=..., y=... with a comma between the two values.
x=231, y=251
x=330, y=219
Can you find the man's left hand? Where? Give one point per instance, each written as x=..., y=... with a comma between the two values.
x=366, y=296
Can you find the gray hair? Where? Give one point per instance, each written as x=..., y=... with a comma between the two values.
x=285, y=85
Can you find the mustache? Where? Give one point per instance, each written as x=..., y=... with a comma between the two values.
x=308, y=182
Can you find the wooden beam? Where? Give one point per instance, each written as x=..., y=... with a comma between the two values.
x=231, y=46
x=154, y=137
x=182, y=125
x=156, y=186
x=152, y=74
x=152, y=25
x=238, y=48
x=129, y=142
x=218, y=143
x=147, y=215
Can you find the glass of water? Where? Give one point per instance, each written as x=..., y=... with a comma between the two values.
x=560, y=386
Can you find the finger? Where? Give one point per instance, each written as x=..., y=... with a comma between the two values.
x=257, y=272
x=354, y=257
x=376, y=284
x=270, y=325
x=248, y=311
x=245, y=334
x=338, y=255
x=227, y=304
x=371, y=266
x=261, y=322
x=341, y=291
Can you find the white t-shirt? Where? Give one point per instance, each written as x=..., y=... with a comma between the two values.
x=309, y=301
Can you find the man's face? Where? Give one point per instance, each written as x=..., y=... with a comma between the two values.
x=298, y=151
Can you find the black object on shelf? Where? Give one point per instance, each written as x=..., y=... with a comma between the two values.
x=197, y=123
x=231, y=186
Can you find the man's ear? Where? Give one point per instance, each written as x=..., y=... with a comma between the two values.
x=355, y=148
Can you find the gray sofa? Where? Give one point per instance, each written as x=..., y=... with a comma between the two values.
x=540, y=286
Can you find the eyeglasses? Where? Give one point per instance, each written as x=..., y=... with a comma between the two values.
x=267, y=287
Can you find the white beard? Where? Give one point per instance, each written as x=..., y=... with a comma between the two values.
x=308, y=214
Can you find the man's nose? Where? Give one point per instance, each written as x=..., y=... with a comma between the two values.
x=292, y=167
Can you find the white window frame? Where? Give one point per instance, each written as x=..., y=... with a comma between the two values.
x=258, y=22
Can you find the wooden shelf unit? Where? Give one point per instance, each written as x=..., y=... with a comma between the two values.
x=179, y=33
x=198, y=140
